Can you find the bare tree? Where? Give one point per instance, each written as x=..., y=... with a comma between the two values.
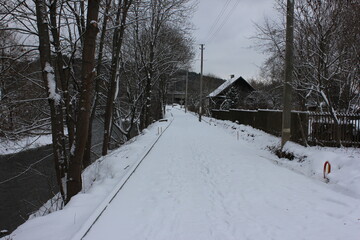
x=118, y=35
x=88, y=73
x=17, y=73
x=54, y=98
x=145, y=54
x=155, y=46
x=326, y=62
x=98, y=79
x=161, y=14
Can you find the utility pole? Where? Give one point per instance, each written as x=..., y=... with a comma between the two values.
x=201, y=80
x=289, y=65
x=186, y=89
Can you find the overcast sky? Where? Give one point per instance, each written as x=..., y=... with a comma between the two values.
x=230, y=50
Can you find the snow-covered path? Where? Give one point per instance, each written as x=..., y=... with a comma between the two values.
x=199, y=182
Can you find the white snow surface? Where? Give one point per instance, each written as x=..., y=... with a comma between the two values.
x=201, y=182
x=222, y=87
x=26, y=143
x=10, y=147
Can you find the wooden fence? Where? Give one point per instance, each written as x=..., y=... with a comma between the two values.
x=323, y=130
x=306, y=127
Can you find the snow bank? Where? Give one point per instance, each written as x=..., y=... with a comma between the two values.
x=99, y=180
x=345, y=162
x=11, y=147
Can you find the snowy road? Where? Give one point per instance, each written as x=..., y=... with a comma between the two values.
x=199, y=182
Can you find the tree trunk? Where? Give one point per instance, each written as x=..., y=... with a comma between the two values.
x=54, y=98
x=87, y=153
x=148, y=87
x=74, y=181
x=115, y=71
x=147, y=116
x=62, y=75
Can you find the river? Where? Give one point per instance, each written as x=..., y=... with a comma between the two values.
x=27, y=181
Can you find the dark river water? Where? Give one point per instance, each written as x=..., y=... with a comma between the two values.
x=27, y=181
x=27, y=192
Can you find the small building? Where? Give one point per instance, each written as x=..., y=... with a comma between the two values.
x=231, y=94
x=176, y=97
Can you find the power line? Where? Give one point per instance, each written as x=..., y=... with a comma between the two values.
x=212, y=37
x=224, y=21
x=218, y=18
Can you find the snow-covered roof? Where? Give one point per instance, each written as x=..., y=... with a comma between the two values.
x=222, y=87
x=227, y=84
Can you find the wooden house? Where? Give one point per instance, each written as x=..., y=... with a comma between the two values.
x=230, y=94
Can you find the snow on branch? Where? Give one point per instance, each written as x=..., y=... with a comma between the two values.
x=49, y=70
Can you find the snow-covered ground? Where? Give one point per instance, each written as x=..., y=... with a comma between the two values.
x=10, y=147
x=345, y=162
x=211, y=180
